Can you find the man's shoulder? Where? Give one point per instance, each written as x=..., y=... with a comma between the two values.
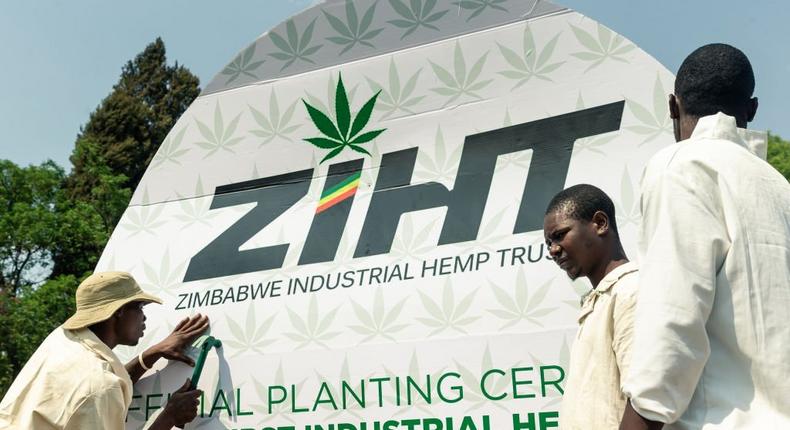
x=73, y=362
x=627, y=284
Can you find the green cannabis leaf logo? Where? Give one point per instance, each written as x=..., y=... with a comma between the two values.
x=346, y=133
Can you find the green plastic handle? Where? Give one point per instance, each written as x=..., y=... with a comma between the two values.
x=210, y=342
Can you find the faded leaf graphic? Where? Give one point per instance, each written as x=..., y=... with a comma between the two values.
x=195, y=209
x=473, y=382
x=440, y=166
x=377, y=320
x=313, y=328
x=274, y=125
x=655, y=121
x=478, y=6
x=594, y=143
x=522, y=304
x=605, y=45
x=280, y=410
x=170, y=150
x=417, y=14
x=627, y=207
x=242, y=65
x=353, y=30
x=294, y=46
x=395, y=97
x=162, y=277
x=530, y=63
x=252, y=337
x=410, y=244
x=460, y=82
x=220, y=137
x=449, y=314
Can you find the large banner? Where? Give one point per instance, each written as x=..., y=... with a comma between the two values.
x=357, y=203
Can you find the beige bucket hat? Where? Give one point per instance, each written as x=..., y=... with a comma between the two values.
x=103, y=293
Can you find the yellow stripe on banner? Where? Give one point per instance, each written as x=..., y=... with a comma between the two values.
x=338, y=192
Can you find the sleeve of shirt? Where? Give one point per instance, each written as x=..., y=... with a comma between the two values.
x=683, y=243
x=102, y=410
x=623, y=331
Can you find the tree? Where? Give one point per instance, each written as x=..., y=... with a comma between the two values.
x=130, y=123
x=28, y=198
x=115, y=147
x=26, y=320
x=779, y=154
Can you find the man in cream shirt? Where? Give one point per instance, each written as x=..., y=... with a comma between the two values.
x=75, y=382
x=581, y=234
x=711, y=337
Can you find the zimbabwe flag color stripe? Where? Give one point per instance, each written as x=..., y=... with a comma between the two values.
x=338, y=193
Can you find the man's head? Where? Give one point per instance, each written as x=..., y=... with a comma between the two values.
x=714, y=78
x=580, y=230
x=111, y=303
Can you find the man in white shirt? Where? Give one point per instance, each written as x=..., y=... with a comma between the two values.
x=75, y=382
x=581, y=234
x=711, y=337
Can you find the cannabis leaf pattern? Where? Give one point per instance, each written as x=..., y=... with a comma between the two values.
x=353, y=31
x=442, y=166
x=653, y=123
x=280, y=410
x=530, y=63
x=460, y=82
x=170, y=150
x=197, y=209
x=478, y=6
x=473, y=382
x=395, y=97
x=521, y=304
x=593, y=143
x=417, y=14
x=627, y=207
x=296, y=47
x=607, y=45
x=449, y=314
x=166, y=278
x=379, y=321
x=250, y=338
x=346, y=133
x=242, y=65
x=312, y=329
x=221, y=136
x=142, y=219
x=274, y=125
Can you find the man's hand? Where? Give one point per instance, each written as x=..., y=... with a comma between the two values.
x=180, y=409
x=172, y=347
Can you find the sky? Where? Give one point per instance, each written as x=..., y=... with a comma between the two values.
x=61, y=57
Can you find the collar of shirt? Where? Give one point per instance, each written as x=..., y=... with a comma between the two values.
x=91, y=342
x=722, y=126
x=611, y=278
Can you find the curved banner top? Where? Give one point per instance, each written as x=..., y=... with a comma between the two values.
x=356, y=200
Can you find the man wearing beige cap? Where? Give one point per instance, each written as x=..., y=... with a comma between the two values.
x=75, y=381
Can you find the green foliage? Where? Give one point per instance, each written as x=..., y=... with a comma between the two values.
x=54, y=226
x=27, y=218
x=133, y=120
x=779, y=154
x=26, y=320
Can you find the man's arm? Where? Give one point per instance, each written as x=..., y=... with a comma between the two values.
x=180, y=409
x=172, y=347
x=683, y=244
x=633, y=421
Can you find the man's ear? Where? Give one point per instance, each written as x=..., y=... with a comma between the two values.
x=751, y=109
x=674, y=109
x=601, y=222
